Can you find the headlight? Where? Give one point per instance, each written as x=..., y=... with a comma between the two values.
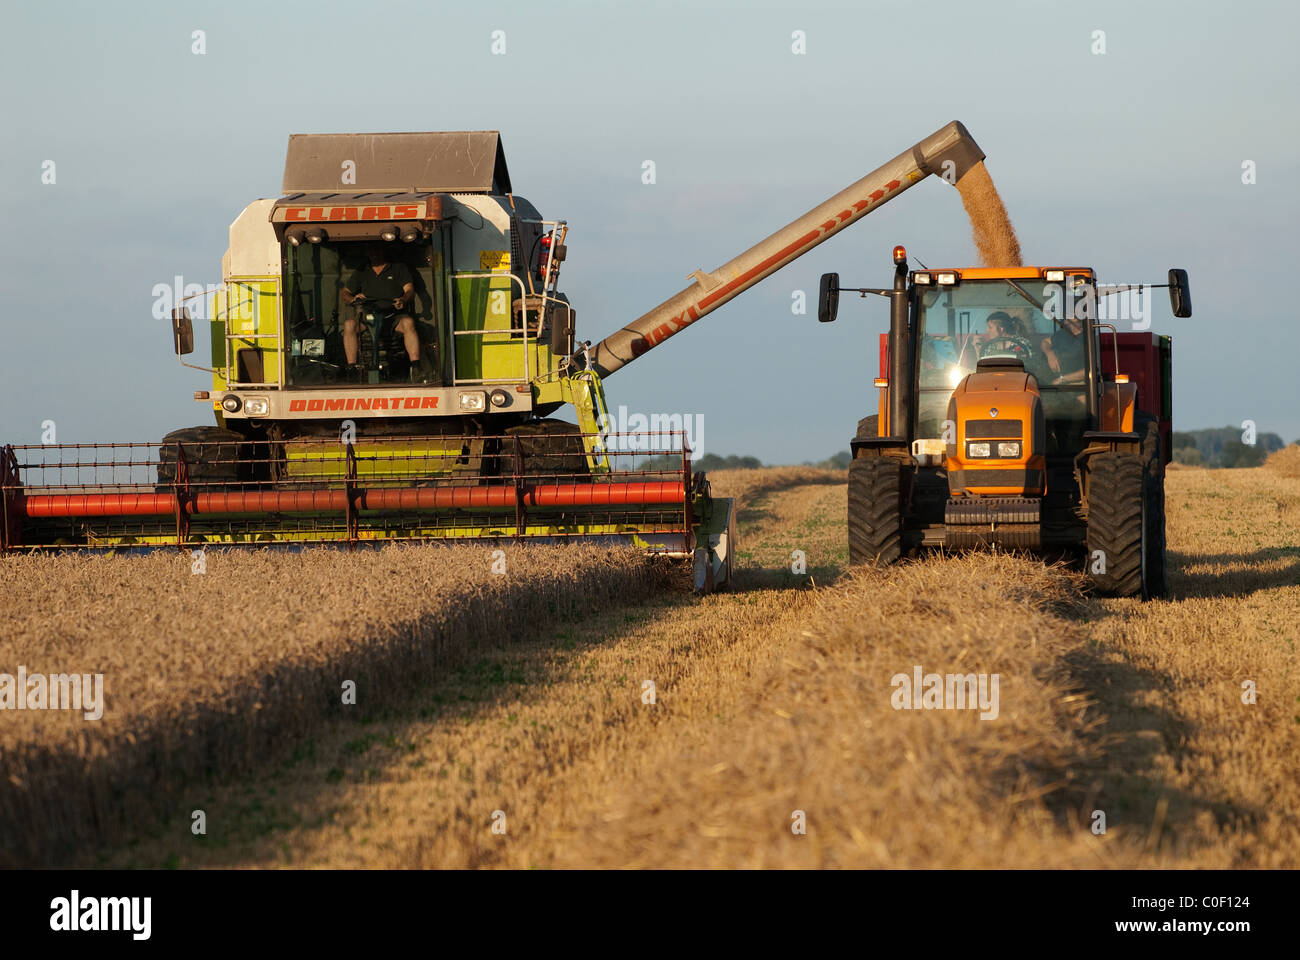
x=1009, y=451
x=946, y=279
x=231, y=403
x=977, y=450
x=473, y=401
x=255, y=406
x=922, y=278
x=500, y=398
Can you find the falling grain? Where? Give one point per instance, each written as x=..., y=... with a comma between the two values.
x=995, y=237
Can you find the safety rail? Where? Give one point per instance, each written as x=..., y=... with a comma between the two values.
x=508, y=332
x=252, y=338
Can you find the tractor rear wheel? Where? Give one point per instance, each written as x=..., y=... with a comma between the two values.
x=1118, y=524
x=1149, y=429
x=213, y=456
x=875, y=511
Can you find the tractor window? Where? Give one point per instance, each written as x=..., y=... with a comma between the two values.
x=315, y=314
x=958, y=325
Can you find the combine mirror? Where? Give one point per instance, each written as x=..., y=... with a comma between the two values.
x=182, y=331
x=828, y=303
x=1180, y=295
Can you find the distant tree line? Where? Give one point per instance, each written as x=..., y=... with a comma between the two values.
x=710, y=461
x=1222, y=447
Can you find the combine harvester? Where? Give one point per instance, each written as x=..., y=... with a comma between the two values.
x=423, y=412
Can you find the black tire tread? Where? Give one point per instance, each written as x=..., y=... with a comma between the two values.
x=875, y=518
x=1116, y=488
x=210, y=452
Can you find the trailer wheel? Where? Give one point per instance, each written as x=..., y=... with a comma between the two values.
x=1118, y=524
x=212, y=454
x=875, y=516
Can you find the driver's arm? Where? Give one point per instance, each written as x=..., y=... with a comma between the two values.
x=1050, y=355
x=354, y=283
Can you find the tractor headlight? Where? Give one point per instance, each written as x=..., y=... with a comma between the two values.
x=231, y=403
x=945, y=279
x=255, y=406
x=977, y=450
x=1009, y=451
x=473, y=402
x=500, y=398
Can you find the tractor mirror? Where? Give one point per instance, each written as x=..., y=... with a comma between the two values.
x=828, y=303
x=182, y=331
x=1180, y=295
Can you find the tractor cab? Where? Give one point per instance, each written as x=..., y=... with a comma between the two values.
x=1038, y=327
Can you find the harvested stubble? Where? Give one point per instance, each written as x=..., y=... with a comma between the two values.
x=207, y=676
x=774, y=699
x=995, y=237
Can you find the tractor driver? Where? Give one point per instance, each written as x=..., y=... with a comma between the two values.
x=383, y=283
x=1064, y=351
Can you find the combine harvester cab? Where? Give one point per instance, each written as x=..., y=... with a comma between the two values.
x=418, y=411
x=1013, y=414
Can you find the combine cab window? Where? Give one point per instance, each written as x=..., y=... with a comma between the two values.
x=315, y=274
x=959, y=325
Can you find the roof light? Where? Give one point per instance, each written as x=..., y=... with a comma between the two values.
x=900, y=254
x=946, y=279
x=1054, y=276
x=921, y=278
x=410, y=233
x=388, y=233
x=317, y=235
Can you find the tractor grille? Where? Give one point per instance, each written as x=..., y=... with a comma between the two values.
x=1000, y=429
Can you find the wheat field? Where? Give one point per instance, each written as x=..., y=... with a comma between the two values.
x=771, y=705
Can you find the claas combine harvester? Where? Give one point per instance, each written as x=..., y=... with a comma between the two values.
x=1010, y=414
x=426, y=413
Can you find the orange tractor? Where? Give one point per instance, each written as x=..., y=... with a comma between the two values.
x=999, y=424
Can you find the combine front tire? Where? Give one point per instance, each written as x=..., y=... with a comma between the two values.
x=548, y=446
x=875, y=513
x=213, y=456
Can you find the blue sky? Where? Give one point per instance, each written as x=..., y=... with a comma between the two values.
x=1129, y=161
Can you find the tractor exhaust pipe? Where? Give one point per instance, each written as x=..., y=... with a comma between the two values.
x=948, y=152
